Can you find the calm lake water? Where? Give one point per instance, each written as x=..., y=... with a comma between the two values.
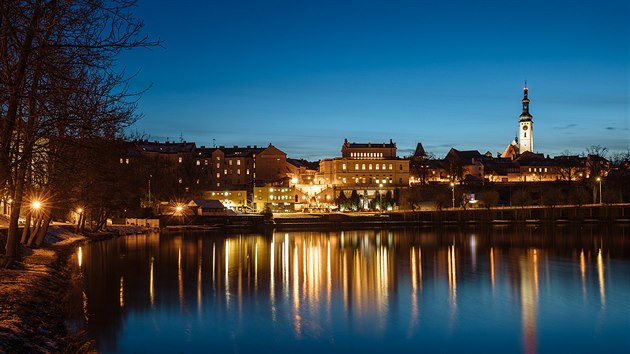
x=530, y=290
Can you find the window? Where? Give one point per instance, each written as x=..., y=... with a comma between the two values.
x=238, y=172
x=383, y=166
x=198, y=162
x=121, y=160
x=343, y=166
x=400, y=167
x=205, y=162
x=238, y=162
x=247, y=171
x=197, y=181
x=363, y=166
x=370, y=166
x=218, y=165
x=344, y=180
x=545, y=169
x=230, y=162
x=180, y=180
x=377, y=166
x=356, y=166
x=218, y=175
x=225, y=172
x=180, y=159
x=391, y=167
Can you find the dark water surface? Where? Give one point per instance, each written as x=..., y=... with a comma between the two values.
x=529, y=290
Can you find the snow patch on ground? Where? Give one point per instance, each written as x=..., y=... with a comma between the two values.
x=56, y=234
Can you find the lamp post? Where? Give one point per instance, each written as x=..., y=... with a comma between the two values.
x=453, y=190
x=599, y=179
x=150, y=190
x=380, y=197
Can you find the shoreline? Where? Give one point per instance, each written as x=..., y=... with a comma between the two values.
x=542, y=215
x=38, y=297
x=35, y=300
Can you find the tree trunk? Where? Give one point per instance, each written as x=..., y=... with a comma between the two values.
x=41, y=235
x=79, y=219
x=38, y=223
x=26, y=233
x=11, y=249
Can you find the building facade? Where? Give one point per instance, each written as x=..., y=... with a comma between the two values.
x=368, y=168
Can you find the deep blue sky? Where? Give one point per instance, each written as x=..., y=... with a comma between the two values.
x=304, y=75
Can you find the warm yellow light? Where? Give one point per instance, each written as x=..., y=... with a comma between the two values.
x=79, y=211
x=36, y=204
x=598, y=179
x=178, y=208
x=452, y=184
x=294, y=180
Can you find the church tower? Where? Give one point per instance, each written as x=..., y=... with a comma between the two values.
x=525, y=126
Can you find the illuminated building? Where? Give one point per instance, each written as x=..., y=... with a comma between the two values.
x=367, y=168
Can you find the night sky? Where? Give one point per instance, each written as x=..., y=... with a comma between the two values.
x=304, y=75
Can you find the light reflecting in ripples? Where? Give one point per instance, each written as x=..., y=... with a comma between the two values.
x=373, y=291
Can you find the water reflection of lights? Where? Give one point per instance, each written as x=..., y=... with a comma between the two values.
x=416, y=271
x=452, y=276
x=151, y=289
x=492, y=267
x=600, y=276
x=80, y=256
x=199, y=283
x=227, y=278
x=122, y=292
x=529, y=299
x=583, y=273
x=296, y=294
x=180, y=278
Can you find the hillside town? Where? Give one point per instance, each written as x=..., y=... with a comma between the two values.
x=159, y=176
x=253, y=178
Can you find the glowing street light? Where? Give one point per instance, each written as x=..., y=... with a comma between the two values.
x=36, y=204
x=453, y=190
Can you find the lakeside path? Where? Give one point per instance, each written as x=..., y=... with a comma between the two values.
x=36, y=297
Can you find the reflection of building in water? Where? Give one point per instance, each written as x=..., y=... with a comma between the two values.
x=528, y=266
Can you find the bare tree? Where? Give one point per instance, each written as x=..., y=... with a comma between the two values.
x=60, y=81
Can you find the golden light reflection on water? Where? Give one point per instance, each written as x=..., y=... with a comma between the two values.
x=528, y=266
x=362, y=277
x=122, y=292
x=492, y=267
x=583, y=273
x=601, y=279
x=151, y=287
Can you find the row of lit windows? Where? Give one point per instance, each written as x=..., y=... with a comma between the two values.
x=537, y=169
x=225, y=193
x=277, y=190
x=370, y=166
x=366, y=154
x=280, y=197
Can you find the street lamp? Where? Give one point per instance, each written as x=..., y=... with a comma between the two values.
x=453, y=190
x=380, y=197
x=36, y=204
x=599, y=179
x=150, y=176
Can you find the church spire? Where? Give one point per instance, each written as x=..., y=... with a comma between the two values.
x=525, y=115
